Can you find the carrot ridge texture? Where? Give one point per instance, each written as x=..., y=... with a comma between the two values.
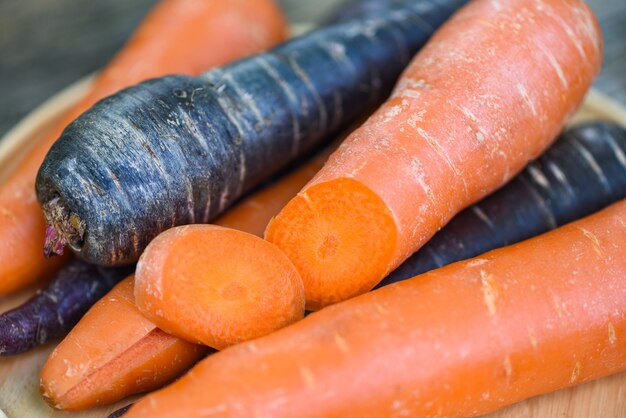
x=180, y=149
x=217, y=286
x=489, y=92
x=584, y=171
x=177, y=36
x=528, y=319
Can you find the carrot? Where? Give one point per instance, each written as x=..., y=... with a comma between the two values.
x=357, y=9
x=462, y=340
x=217, y=286
x=54, y=310
x=80, y=381
x=254, y=212
x=584, y=171
x=177, y=36
x=120, y=412
x=489, y=92
x=97, y=384
x=203, y=141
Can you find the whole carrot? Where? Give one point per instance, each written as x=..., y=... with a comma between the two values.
x=584, y=171
x=488, y=93
x=461, y=341
x=177, y=36
x=203, y=141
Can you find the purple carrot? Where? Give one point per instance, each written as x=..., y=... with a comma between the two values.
x=54, y=310
x=120, y=412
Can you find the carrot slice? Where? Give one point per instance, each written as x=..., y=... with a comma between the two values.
x=489, y=92
x=358, y=241
x=217, y=286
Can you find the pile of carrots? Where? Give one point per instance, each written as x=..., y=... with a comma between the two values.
x=450, y=276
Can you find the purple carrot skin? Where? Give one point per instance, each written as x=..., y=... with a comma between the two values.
x=203, y=141
x=357, y=9
x=55, y=309
x=120, y=412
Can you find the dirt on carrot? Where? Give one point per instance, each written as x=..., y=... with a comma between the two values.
x=488, y=93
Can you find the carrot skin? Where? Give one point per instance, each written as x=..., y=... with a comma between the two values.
x=357, y=9
x=489, y=92
x=584, y=171
x=120, y=412
x=203, y=141
x=55, y=309
x=177, y=36
x=527, y=319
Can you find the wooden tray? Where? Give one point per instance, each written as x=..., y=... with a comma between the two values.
x=19, y=375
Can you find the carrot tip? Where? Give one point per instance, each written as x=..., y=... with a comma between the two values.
x=64, y=227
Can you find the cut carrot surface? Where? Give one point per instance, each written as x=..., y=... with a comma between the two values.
x=489, y=92
x=217, y=286
x=363, y=228
x=177, y=36
x=463, y=340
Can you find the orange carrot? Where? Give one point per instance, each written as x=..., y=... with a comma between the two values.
x=489, y=92
x=217, y=286
x=79, y=380
x=178, y=36
x=462, y=340
x=102, y=380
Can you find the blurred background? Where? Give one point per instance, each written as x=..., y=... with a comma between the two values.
x=46, y=45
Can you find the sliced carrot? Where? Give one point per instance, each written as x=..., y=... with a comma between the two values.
x=217, y=286
x=489, y=92
x=73, y=376
x=461, y=341
x=177, y=36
